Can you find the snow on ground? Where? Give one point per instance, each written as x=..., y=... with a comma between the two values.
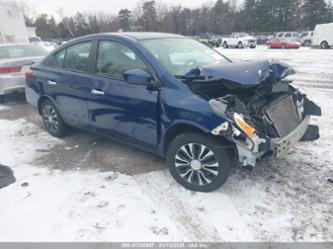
x=4, y=108
x=285, y=200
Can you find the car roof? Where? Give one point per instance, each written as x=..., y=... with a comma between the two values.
x=139, y=35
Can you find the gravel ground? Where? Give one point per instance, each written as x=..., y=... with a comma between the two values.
x=89, y=188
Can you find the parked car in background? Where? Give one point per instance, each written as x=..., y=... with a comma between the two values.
x=306, y=38
x=239, y=40
x=174, y=97
x=209, y=39
x=290, y=36
x=282, y=43
x=15, y=60
x=34, y=39
x=323, y=36
x=47, y=45
x=262, y=39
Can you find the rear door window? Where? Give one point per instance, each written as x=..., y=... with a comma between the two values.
x=77, y=57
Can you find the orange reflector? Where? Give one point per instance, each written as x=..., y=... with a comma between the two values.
x=243, y=125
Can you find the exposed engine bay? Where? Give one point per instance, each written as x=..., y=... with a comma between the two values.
x=264, y=113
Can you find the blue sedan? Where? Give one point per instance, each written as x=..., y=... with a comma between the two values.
x=174, y=97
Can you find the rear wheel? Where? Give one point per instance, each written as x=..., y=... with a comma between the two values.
x=324, y=45
x=52, y=119
x=225, y=44
x=198, y=162
x=283, y=46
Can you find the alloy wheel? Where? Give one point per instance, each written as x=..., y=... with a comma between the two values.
x=50, y=118
x=196, y=164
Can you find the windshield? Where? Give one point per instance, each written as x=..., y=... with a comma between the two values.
x=241, y=35
x=17, y=51
x=180, y=55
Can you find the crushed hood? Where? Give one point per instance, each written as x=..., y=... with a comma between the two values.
x=248, y=73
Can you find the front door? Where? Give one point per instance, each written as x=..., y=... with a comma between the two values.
x=116, y=107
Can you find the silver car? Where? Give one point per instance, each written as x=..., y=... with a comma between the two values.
x=15, y=60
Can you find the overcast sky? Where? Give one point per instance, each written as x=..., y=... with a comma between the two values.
x=110, y=6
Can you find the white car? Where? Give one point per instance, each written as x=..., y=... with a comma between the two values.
x=239, y=40
x=48, y=46
x=306, y=38
x=15, y=60
x=323, y=36
x=290, y=36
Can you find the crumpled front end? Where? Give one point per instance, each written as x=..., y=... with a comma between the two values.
x=274, y=129
x=265, y=115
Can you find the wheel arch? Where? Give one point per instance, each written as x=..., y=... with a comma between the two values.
x=324, y=42
x=183, y=127
x=40, y=102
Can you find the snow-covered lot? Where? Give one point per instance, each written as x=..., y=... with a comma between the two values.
x=88, y=188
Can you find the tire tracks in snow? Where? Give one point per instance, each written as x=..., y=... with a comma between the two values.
x=187, y=213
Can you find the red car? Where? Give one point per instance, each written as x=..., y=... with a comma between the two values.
x=281, y=43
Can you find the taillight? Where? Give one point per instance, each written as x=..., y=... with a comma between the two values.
x=28, y=74
x=4, y=70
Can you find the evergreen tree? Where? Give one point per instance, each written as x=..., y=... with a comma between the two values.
x=149, y=16
x=315, y=12
x=124, y=16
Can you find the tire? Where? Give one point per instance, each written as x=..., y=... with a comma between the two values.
x=225, y=44
x=270, y=46
x=52, y=120
x=324, y=45
x=283, y=46
x=240, y=45
x=186, y=164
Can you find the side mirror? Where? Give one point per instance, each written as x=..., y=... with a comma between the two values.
x=137, y=77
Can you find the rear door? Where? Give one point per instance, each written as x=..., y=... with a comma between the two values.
x=69, y=83
x=117, y=107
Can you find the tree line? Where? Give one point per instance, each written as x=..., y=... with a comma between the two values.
x=222, y=17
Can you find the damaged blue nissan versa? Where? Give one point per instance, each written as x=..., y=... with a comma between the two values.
x=174, y=97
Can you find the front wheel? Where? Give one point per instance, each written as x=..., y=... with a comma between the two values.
x=52, y=120
x=198, y=162
x=225, y=45
x=240, y=45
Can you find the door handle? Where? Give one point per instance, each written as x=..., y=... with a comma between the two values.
x=51, y=83
x=97, y=92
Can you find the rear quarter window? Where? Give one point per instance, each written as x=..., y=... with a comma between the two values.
x=59, y=57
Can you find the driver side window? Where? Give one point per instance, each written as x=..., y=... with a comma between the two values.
x=114, y=59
